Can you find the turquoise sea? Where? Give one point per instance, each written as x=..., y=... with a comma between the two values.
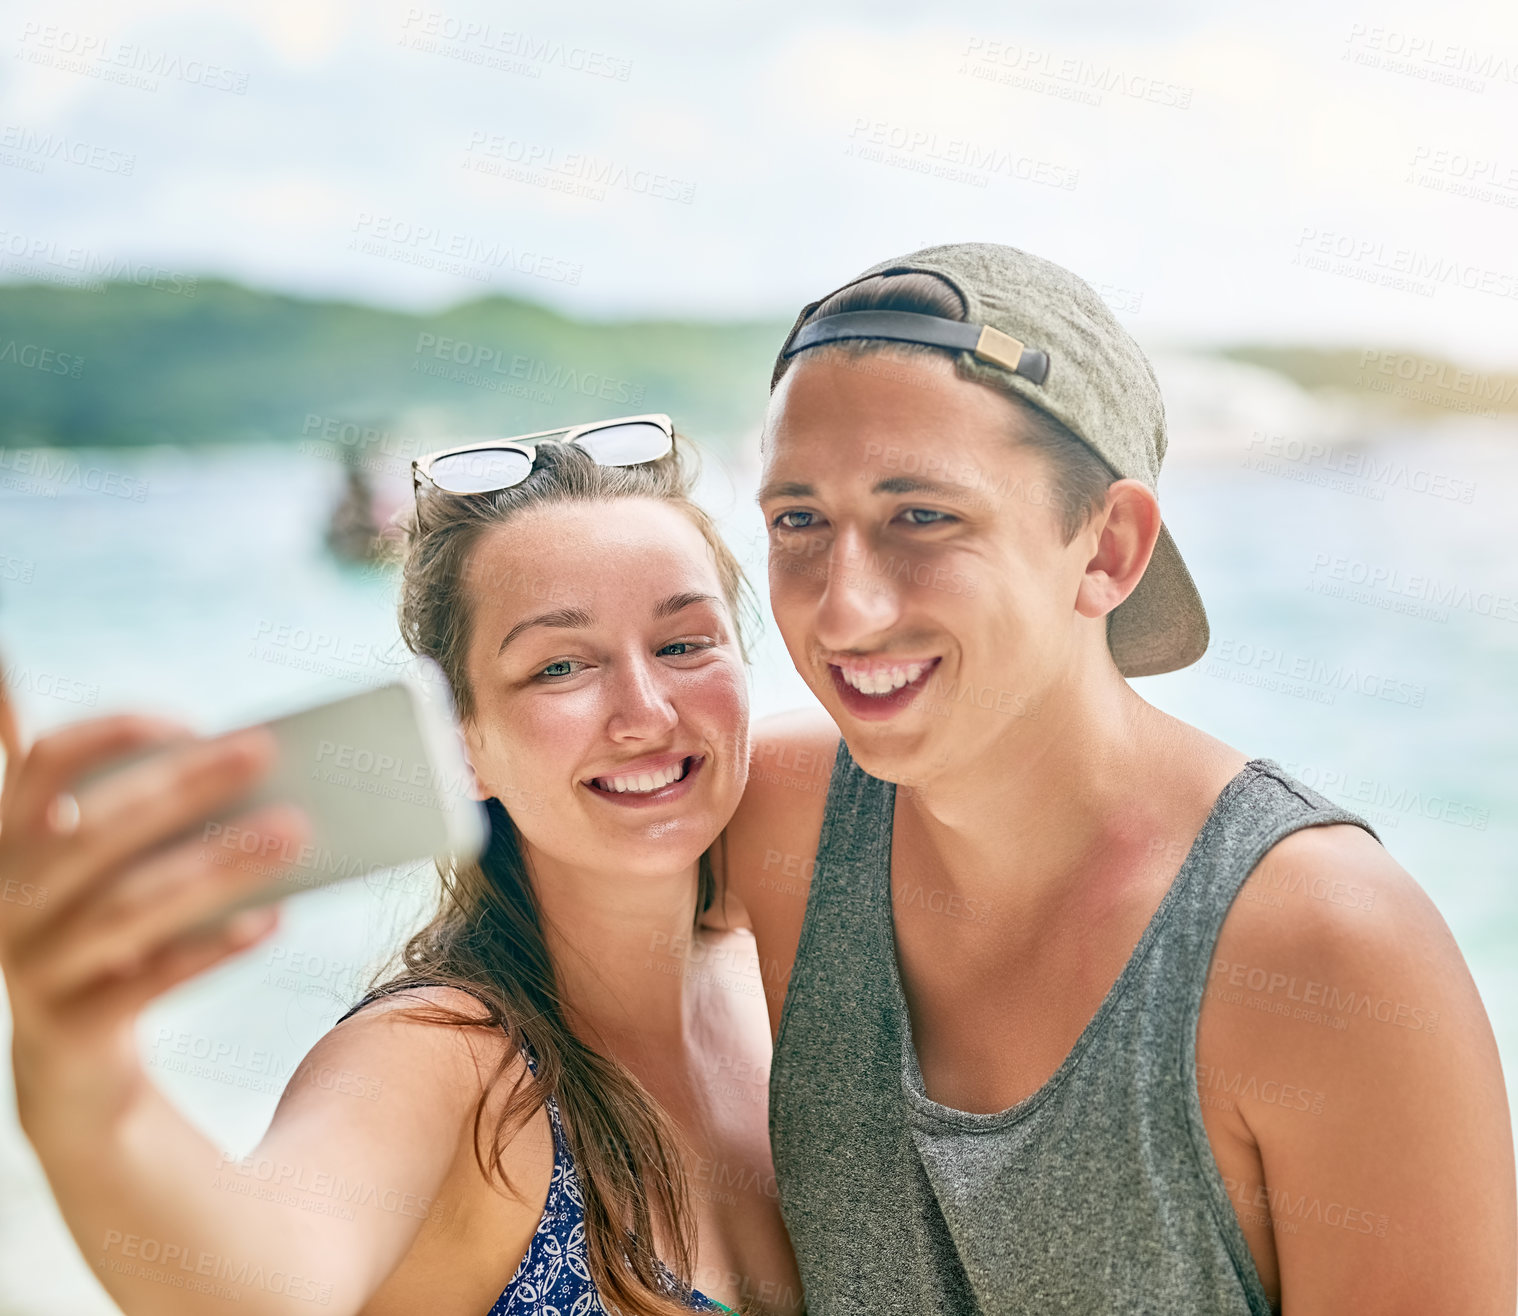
x=1365, y=635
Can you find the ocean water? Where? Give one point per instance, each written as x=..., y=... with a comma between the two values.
x=1365, y=635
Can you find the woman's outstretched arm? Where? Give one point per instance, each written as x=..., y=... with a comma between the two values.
x=90, y=932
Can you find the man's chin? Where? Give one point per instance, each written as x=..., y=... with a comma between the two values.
x=890, y=754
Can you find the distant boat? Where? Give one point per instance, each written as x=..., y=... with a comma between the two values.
x=360, y=528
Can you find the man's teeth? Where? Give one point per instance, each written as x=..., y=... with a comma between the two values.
x=640, y=783
x=883, y=680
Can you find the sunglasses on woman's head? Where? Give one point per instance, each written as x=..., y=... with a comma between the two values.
x=491, y=464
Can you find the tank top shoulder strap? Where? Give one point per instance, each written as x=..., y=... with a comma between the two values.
x=841, y=948
x=856, y=821
x=1261, y=806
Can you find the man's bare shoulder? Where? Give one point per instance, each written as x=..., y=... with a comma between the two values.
x=772, y=840
x=1335, y=976
x=773, y=837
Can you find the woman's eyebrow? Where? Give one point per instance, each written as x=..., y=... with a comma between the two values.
x=675, y=602
x=561, y=618
x=579, y=618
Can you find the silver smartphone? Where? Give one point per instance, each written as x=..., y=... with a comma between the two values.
x=382, y=780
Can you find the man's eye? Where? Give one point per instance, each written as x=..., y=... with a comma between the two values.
x=783, y=521
x=559, y=667
x=927, y=516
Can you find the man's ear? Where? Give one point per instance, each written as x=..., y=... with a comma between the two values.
x=1126, y=530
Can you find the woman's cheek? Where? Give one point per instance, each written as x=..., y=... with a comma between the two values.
x=724, y=712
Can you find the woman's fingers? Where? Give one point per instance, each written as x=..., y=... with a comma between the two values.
x=52, y=765
x=186, y=956
x=148, y=805
x=154, y=901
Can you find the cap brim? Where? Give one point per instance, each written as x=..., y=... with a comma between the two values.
x=1161, y=626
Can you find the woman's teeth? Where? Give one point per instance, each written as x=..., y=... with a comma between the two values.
x=883, y=680
x=640, y=783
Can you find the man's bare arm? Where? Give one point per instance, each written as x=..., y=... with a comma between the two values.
x=1386, y=1182
x=772, y=839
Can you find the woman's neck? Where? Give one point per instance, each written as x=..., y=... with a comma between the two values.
x=622, y=953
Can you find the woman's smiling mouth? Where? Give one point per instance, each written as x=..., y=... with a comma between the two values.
x=650, y=781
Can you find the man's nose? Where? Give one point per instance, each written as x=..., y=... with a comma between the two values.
x=859, y=600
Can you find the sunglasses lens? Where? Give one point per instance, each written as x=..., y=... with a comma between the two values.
x=626, y=445
x=480, y=471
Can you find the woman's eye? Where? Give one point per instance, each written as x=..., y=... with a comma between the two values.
x=784, y=522
x=560, y=667
x=685, y=647
x=927, y=516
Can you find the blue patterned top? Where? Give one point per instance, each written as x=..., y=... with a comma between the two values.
x=553, y=1278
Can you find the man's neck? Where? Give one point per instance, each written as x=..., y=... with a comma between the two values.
x=1018, y=820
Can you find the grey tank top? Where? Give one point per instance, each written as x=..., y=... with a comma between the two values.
x=1096, y=1194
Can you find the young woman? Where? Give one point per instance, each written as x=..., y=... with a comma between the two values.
x=564, y=1105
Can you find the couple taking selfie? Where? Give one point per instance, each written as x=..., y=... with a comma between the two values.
x=996, y=990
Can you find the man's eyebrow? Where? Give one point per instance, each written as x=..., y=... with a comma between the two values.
x=573, y=618
x=909, y=484
x=563, y=618
x=784, y=489
x=896, y=484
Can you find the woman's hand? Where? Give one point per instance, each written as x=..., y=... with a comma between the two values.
x=99, y=883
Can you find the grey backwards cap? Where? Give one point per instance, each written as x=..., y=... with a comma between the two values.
x=1099, y=384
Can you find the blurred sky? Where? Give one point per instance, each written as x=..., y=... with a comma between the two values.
x=754, y=156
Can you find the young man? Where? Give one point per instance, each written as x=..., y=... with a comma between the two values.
x=1078, y=1009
